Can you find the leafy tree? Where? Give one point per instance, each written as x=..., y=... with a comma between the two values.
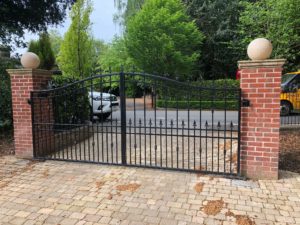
x=42, y=48
x=99, y=48
x=55, y=40
x=127, y=9
x=19, y=16
x=218, y=20
x=76, y=57
x=162, y=38
x=277, y=20
x=115, y=56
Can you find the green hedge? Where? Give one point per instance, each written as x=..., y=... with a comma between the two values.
x=206, y=90
x=218, y=105
x=71, y=104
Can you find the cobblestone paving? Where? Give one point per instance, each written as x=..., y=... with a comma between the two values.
x=64, y=193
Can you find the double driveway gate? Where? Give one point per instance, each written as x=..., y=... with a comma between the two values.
x=138, y=119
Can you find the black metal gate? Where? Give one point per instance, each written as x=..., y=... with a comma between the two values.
x=138, y=119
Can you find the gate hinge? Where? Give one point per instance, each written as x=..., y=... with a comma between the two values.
x=29, y=101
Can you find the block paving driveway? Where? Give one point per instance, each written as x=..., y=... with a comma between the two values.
x=64, y=193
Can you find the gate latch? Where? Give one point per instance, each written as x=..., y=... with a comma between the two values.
x=245, y=103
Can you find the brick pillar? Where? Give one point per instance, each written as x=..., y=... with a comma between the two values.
x=23, y=81
x=260, y=123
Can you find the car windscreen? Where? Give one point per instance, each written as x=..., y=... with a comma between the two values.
x=285, y=79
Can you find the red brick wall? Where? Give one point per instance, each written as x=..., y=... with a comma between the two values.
x=23, y=81
x=260, y=123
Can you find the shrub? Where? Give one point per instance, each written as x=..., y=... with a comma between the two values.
x=217, y=105
x=71, y=104
x=42, y=48
x=206, y=90
x=207, y=94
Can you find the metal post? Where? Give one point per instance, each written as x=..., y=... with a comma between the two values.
x=239, y=133
x=33, y=125
x=123, y=117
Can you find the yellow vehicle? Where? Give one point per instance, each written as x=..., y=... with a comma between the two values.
x=290, y=93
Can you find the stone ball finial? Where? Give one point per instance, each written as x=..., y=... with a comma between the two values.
x=29, y=60
x=260, y=49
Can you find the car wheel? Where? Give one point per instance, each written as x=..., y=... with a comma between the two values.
x=104, y=116
x=285, y=108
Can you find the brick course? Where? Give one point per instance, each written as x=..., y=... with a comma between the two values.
x=260, y=83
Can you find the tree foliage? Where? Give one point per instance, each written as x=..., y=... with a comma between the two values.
x=55, y=40
x=43, y=49
x=218, y=20
x=20, y=15
x=127, y=9
x=115, y=56
x=162, y=38
x=277, y=20
x=77, y=54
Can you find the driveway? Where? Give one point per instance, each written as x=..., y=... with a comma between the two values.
x=63, y=193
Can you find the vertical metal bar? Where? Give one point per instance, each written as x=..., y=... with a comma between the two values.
x=111, y=123
x=231, y=130
x=102, y=121
x=212, y=124
x=206, y=128
x=33, y=125
x=44, y=129
x=48, y=128
x=135, y=132
x=117, y=149
x=89, y=143
x=145, y=121
x=84, y=140
x=182, y=143
x=106, y=141
x=140, y=136
x=177, y=131
x=67, y=147
x=219, y=127
x=150, y=127
x=38, y=127
x=189, y=99
x=172, y=124
x=225, y=124
x=93, y=127
x=53, y=137
x=200, y=127
x=130, y=141
x=55, y=113
x=160, y=135
x=123, y=117
x=92, y=120
x=155, y=124
x=239, y=133
x=75, y=123
x=194, y=125
x=79, y=135
x=166, y=122
x=98, y=146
